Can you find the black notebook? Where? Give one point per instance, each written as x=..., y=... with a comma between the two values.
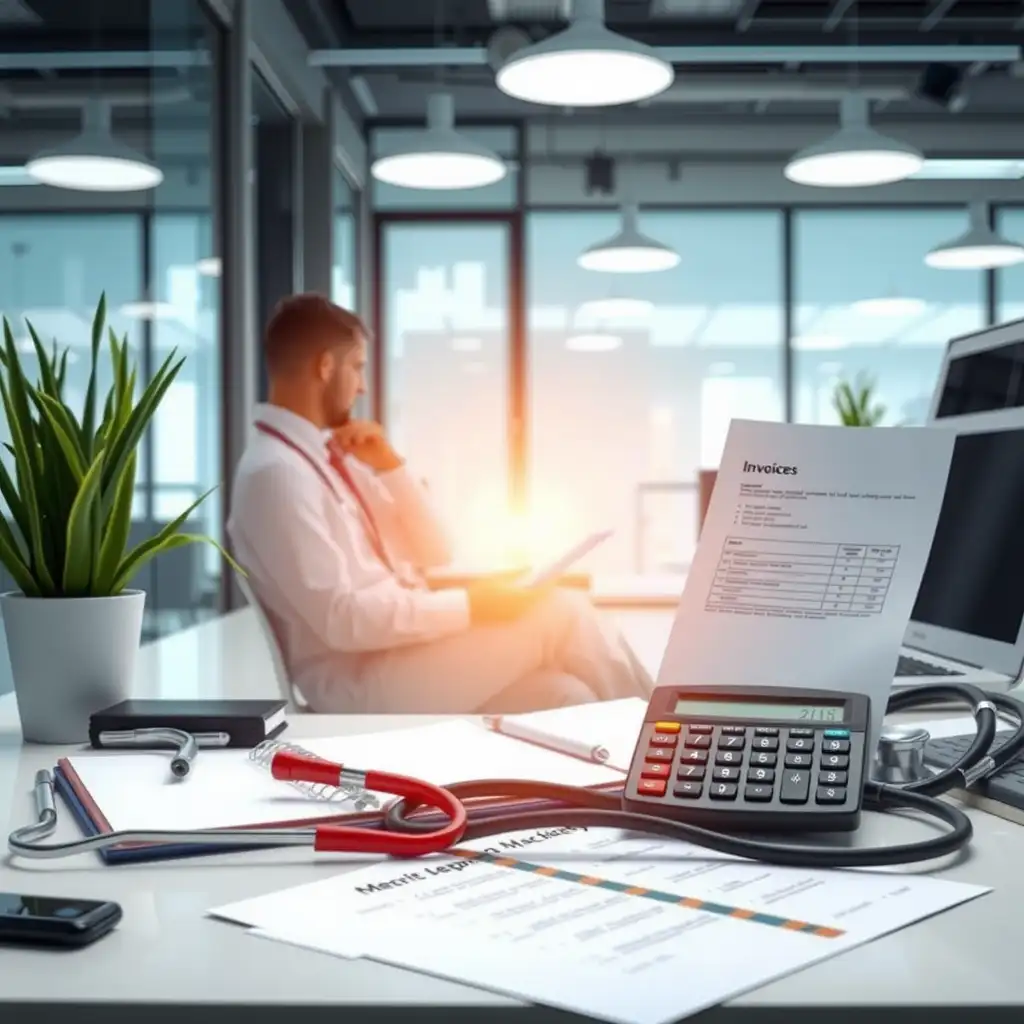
x=245, y=722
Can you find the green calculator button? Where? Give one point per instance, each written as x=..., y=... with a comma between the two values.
x=837, y=732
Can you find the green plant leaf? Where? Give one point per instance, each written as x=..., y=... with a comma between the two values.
x=63, y=426
x=14, y=503
x=26, y=457
x=130, y=564
x=89, y=411
x=80, y=559
x=49, y=379
x=127, y=437
x=13, y=562
x=118, y=529
x=169, y=542
x=62, y=369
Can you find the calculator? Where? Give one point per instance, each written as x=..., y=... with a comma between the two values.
x=734, y=758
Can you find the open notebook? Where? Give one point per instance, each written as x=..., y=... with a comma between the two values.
x=113, y=791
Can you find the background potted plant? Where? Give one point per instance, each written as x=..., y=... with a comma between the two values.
x=73, y=626
x=855, y=403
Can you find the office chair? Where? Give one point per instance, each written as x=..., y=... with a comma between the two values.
x=284, y=684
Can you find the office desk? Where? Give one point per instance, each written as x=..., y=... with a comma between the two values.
x=167, y=962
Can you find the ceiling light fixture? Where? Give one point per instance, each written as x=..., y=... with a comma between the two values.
x=146, y=310
x=440, y=157
x=628, y=252
x=889, y=305
x=616, y=307
x=209, y=266
x=585, y=65
x=593, y=341
x=978, y=248
x=855, y=156
x=818, y=342
x=1001, y=169
x=95, y=161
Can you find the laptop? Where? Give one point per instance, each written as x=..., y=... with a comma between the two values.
x=967, y=625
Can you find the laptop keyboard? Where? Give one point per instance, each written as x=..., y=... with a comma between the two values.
x=1006, y=786
x=907, y=666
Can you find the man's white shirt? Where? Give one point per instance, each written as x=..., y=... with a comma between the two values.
x=306, y=547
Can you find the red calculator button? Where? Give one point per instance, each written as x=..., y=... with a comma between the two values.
x=664, y=739
x=660, y=754
x=651, y=787
x=656, y=770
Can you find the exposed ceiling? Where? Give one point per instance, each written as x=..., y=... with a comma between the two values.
x=731, y=63
x=58, y=53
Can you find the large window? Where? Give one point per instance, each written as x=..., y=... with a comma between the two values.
x=343, y=262
x=1010, y=282
x=186, y=431
x=445, y=379
x=153, y=255
x=183, y=295
x=867, y=306
x=633, y=378
x=53, y=269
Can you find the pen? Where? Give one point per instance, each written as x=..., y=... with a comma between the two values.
x=530, y=733
x=188, y=744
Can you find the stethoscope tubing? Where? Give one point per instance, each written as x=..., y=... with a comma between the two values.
x=403, y=829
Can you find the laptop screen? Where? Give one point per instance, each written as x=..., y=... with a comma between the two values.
x=983, y=381
x=973, y=578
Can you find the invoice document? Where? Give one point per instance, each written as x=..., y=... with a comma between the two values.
x=810, y=558
x=637, y=930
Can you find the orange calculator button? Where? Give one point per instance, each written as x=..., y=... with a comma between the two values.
x=652, y=787
x=655, y=770
x=666, y=727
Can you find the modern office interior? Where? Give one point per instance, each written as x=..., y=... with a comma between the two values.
x=573, y=286
x=500, y=365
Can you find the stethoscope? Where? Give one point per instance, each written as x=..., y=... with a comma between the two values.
x=426, y=819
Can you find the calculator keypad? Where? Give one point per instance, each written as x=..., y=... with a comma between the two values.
x=748, y=765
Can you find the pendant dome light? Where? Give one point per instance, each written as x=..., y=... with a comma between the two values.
x=978, y=248
x=891, y=304
x=616, y=307
x=95, y=161
x=585, y=65
x=855, y=156
x=628, y=252
x=440, y=157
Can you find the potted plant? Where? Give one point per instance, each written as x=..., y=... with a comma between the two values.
x=74, y=625
x=855, y=403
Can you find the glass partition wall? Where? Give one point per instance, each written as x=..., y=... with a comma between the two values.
x=151, y=252
x=542, y=401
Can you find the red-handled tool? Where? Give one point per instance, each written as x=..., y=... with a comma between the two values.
x=289, y=766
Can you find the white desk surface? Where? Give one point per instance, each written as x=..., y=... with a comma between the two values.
x=167, y=961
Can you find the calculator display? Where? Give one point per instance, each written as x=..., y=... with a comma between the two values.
x=688, y=708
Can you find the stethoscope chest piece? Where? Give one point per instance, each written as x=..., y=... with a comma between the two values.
x=899, y=759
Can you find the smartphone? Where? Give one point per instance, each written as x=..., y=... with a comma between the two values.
x=54, y=920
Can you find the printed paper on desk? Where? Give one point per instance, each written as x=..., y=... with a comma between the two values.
x=810, y=559
x=612, y=724
x=621, y=918
x=225, y=790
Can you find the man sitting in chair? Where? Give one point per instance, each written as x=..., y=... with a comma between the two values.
x=335, y=534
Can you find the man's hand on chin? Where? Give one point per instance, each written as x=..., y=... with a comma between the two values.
x=365, y=440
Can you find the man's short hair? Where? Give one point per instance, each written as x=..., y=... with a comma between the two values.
x=303, y=325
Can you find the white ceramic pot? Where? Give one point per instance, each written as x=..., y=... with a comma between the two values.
x=70, y=657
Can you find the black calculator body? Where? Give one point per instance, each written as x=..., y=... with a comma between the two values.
x=752, y=759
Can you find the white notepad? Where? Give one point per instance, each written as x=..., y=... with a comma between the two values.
x=226, y=790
